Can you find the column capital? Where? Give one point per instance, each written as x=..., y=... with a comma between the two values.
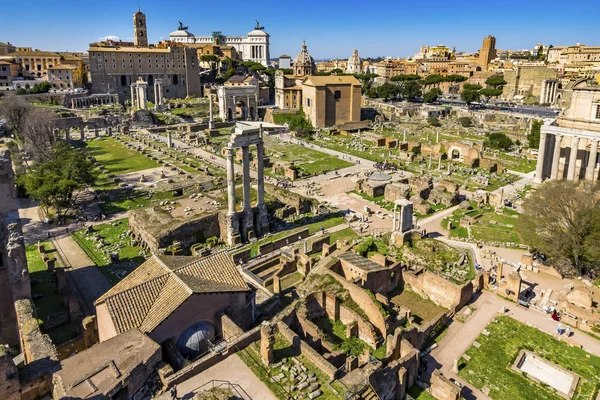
x=229, y=151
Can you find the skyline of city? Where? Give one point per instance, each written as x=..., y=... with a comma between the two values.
x=387, y=34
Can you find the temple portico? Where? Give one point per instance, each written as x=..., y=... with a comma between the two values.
x=567, y=153
x=244, y=226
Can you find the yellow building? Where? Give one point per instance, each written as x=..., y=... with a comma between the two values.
x=64, y=76
x=331, y=100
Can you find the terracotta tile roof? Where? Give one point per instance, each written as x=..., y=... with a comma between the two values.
x=318, y=80
x=34, y=53
x=144, y=298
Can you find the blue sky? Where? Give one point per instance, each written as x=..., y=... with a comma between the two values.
x=331, y=28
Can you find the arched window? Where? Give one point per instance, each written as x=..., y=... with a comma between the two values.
x=123, y=80
x=175, y=80
x=150, y=80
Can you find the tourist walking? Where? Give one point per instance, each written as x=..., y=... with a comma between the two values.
x=174, y=392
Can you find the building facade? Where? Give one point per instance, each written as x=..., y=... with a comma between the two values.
x=331, y=100
x=252, y=47
x=569, y=146
x=487, y=52
x=526, y=81
x=114, y=66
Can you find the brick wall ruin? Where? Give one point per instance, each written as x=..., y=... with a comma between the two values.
x=438, y=289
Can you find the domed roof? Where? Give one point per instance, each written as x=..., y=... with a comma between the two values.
x=304, y=58
x=354, y=58
x=194, y=340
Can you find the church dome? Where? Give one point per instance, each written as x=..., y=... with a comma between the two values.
x=194, y=341
x=354, y=65
x=304, y=64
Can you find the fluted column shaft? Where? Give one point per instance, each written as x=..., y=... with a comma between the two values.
x=591, y=165
x=230, y=181
x=573, y=158
x=556, y=157
x=540, y=161
x=246, y=165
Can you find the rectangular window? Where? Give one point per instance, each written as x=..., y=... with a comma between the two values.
x=308, y=102
x=597, y=111
x=337, y=95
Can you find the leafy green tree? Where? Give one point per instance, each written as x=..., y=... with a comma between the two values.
x=434, y=121
x=257, y=68
x=561, y=219
x=495, y=82
x=488, y=93
x=404, y=78
x=411, y=90
x=387, y=91
x=431, y=80
x=533, y=137
x=455, y=78
x=42, y=87
x=337, y=71
x=498, y=140
x=470, y=94
x=465, y=122
x=21, y=91
x=212, y=59
x=432, y=95
x=56, y=183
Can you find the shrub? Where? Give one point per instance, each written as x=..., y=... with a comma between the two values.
x=434, y=121
x=465, y=121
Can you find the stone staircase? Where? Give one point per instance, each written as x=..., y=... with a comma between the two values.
x=368, y=394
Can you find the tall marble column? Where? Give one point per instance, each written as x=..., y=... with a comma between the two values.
x=591, y=165
x=556, y=157
x=234, y=113
x=133, y=102
x=573, y=158
x=540, y=161
x=230, y=181
x=263, y=216
x=249, y=215
x=544, y=91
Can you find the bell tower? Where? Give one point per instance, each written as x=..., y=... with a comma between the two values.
x=140, y=33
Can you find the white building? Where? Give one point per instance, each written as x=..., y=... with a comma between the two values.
x=252, y=47
x=354, y=65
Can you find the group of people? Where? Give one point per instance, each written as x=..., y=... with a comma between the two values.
x=386, y=166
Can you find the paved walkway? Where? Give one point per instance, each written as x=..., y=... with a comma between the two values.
x=460, y=336
x=232, y=369
x=90, y=282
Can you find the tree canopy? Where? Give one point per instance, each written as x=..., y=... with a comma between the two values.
x=495, y=82
x=404, y=78
x=498, y=140
x=561, y=219
x=432, y=95
x=488, y=93
x=56, y=181
x=411, y=90
x=470, y=96
x=533, y=137
x=387, y=91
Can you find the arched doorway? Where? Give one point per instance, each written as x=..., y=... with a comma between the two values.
x=455, y=155
x=229, y=114
x=123, y=80
x=241, y=110
x=251, y=114
x=175, y=80
x=150, y=81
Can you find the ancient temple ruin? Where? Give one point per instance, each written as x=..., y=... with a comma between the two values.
x=241, y=226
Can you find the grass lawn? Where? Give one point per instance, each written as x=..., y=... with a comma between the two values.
x=112, y=234
x=418, y=393
x=283, y=349
x=117, y=158
x=422, y=309
x=309, y=161
x=47, y=299
x=335, y=332
x=343, y=234
x=490, y=363
x=129, y=199
x=490, y=226
x=290, y=280
x=379, y=200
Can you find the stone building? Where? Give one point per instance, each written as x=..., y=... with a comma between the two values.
x=6, y=48
x=285, y=61
x=331, y=100
x=569, y=146
x=166, y=295
x=354, y=65
x=252, y=47
x=65, y=77
x=487, y=52
x=116, y=368
x=304, y=64
x=525, y=81
x=114, y=66
x=8, y=71
x=238, y=102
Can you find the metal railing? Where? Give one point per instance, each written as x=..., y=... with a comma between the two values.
x=234, y=388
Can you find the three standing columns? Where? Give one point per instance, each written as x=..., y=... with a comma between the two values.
x=570, y=163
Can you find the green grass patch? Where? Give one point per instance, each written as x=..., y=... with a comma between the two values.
x=418, y=393
x=422, y=309
x=490, y=363
x=113, y=235
x=116, y=158
x=343, y=234
x=47, y=299
x=290, y=280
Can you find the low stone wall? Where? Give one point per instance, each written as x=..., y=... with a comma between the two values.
x=302, y=204
x=393, y=380
x=548, y=270
x=365, y=301
x=325, y=366
x=442, y=388
x=284, y=241
x=438, y=289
